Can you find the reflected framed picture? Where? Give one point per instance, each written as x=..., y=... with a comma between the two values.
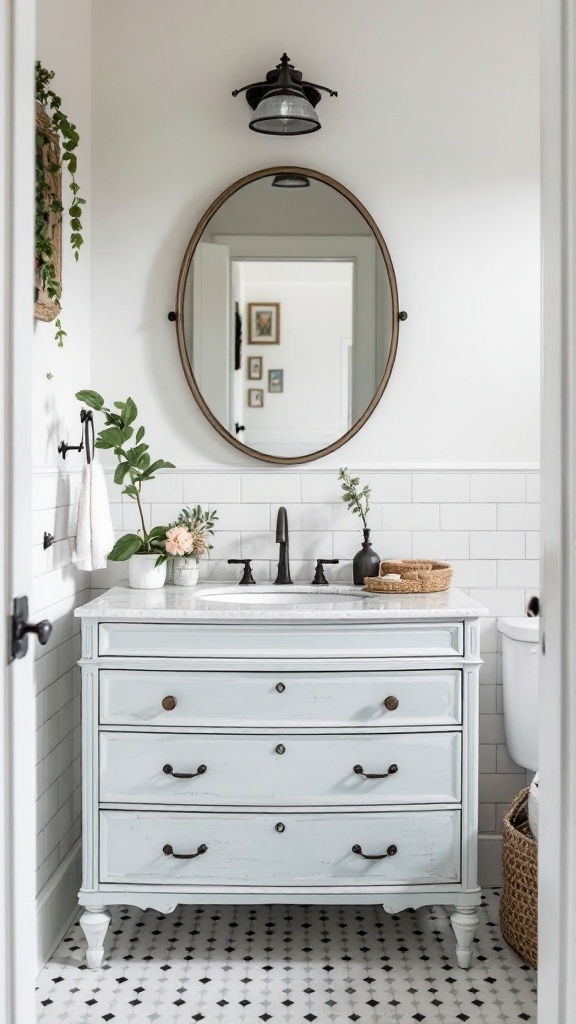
x=255, y=398
x=263, y=323
x=275, y=382
x=254, y=367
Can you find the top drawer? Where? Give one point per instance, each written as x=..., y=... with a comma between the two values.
x=281, y=640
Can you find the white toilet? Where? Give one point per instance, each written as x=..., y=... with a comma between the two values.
x=520, y=647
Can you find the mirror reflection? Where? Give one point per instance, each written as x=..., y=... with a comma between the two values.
x=287, y=315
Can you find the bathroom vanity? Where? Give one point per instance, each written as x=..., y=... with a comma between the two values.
x=279, y=745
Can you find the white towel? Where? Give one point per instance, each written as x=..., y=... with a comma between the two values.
x=94, y=531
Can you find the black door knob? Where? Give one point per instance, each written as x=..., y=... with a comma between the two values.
x=21, y=627
x=42, y=629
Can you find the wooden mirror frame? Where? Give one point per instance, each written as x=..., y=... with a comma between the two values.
x=179, y=317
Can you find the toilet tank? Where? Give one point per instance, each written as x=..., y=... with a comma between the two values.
x=520, y=648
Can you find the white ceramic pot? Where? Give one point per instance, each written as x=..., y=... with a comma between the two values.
x=186, y=571
x=144, y=574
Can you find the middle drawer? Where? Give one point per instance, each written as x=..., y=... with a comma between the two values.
x=313, y=769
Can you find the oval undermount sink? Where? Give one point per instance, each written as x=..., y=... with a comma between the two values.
x=285, y=595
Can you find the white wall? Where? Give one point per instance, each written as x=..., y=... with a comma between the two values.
x=436, y=131
x=63, y=45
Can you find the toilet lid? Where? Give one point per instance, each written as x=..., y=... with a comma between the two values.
x=521, y=627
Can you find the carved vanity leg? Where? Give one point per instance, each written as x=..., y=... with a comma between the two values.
x=464, y=921
x=94, y=923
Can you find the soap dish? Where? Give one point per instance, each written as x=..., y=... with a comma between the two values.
x=418, y=576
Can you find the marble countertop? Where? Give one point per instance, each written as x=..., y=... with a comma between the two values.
x=219, y=602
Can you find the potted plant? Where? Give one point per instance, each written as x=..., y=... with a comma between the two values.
x=186, y=541
x=366, y=562
x=144, y=550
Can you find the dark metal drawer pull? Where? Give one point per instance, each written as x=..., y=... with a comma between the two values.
x=391, y=703
x=169, y=703
x=280, y=687
x=390, y=852
x=360, y=771
x=184, y=856
x=168, y=770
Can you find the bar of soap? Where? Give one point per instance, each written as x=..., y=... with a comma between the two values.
x=392, y=576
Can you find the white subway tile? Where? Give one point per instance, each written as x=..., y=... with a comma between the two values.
x=46, y=738
x=55, y=586
x=68, y=654
x=489, y=668
x=275, y=488
x=54, y=490
x=226, y=545
x=441, y=544
x=46, y=807
x=497, y=487
x=486, y=818
x=165, y=487
x=57, y=521
x=321, y=487
x=488, y=636
x=501, y=602
x=519, y=573
x=46, y=670
x=311, y=516
x=497, y=544
x=261, y=546
x=492, y=729
x=487, y=699
x=440, y=487
x=515, y=516
x=500, y=787
x=344, y=519
x=131, y=522
x=389, y=487
x=210, y=488
x=310, y=545
x=474, y=573
x=109, y=577
x=46, y=869
x=243, y=517
x=486, y=758
x=58, y=694
x=302, y=570
x=533, y=487
x=410, y=517
x=533, y=549
x=472, y=516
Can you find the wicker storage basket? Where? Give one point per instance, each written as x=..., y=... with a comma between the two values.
x=418, y=577
x=519, y=903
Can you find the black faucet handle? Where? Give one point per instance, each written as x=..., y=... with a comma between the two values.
x=319, y=577
x=247, y=576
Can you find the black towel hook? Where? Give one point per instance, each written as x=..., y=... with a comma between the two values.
x=86, y=417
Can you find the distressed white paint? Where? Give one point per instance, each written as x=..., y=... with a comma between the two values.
x=281, y=804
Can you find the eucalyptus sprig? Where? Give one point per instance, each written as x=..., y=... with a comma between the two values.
x=358, y=501
x=134, y=463
x=46, y=204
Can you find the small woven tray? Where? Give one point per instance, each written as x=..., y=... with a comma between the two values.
x=418, y=577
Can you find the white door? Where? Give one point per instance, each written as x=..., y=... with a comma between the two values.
x=17, y=762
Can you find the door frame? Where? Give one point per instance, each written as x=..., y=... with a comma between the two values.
x=557, y=831
x=17, y=712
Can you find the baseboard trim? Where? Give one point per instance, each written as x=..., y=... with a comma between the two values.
x=490, y=859
x=57, y=904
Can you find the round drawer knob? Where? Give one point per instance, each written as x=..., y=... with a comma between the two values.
x=280, y=749
x=169, y=703
x=280, y=826
x=391, y=703
x=280, y=687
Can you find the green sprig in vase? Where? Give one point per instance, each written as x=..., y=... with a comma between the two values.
x=366, y=562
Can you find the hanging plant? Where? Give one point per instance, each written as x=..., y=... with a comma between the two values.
x=53, y=127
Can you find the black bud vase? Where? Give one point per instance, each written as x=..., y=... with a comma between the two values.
x=366, y=562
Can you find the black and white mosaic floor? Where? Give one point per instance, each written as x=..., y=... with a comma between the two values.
x=244, y=965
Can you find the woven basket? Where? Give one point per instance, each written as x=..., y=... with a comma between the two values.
x=519, y=903
x=418, y=577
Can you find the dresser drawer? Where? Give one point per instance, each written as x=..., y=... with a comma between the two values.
x=279, y=849
x=271, y=769
x=281, y=640
x=297, y=699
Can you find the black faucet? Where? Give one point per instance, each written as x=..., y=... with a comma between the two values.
x=283, y=576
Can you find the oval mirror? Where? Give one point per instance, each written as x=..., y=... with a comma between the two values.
x=287, y=315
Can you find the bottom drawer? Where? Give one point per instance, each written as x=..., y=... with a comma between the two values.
x=279, y=849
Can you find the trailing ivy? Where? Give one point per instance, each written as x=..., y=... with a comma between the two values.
x=46, y=204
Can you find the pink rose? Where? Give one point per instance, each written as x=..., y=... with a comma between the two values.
x=179, y=541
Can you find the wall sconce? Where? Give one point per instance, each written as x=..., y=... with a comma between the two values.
x=289, y=179
x=284, y=104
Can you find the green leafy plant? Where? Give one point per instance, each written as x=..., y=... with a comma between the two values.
x=46, y=204
x=134, y=468
x=357, y=498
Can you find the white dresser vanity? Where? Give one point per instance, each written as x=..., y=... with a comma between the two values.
x=279, y=745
